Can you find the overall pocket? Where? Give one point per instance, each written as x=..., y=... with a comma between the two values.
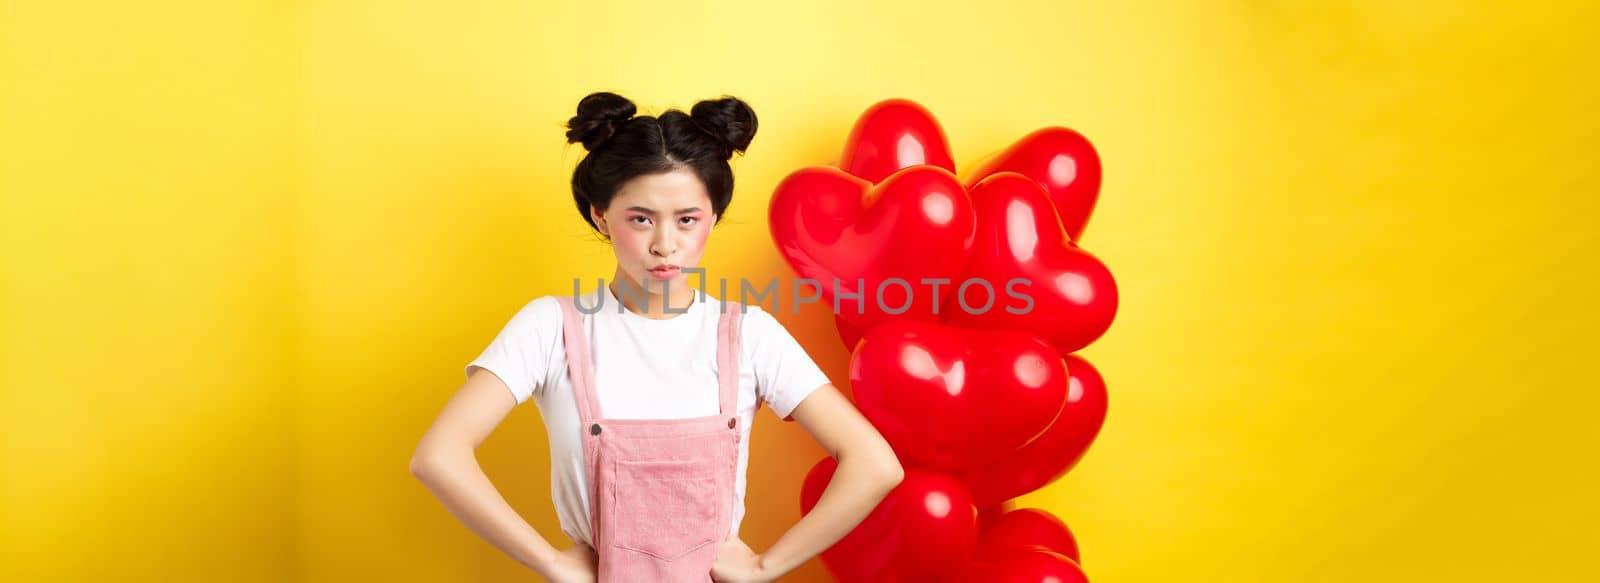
x=667, y=509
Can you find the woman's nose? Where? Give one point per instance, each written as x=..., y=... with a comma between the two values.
x=664, y=245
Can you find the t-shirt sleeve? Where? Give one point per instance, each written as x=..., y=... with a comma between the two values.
x=520, y=354
x=785, y=373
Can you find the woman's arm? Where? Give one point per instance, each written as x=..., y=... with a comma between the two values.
x=446, y=463
x=868, y=471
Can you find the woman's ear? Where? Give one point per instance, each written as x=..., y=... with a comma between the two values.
x=599, y=221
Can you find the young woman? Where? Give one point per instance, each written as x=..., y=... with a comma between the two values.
x=647, y=387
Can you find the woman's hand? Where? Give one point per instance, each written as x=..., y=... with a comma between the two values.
x=737, y=563
x=577, y=564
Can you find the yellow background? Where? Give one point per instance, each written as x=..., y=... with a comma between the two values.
x=248, y=247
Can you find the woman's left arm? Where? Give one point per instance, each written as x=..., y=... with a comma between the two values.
x=868, y=471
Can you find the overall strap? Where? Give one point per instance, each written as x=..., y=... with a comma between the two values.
x=579, y=368
x=728, y=356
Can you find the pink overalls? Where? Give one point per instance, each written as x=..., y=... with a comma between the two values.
x=660, y=490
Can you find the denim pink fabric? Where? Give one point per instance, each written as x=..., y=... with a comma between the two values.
x=661, y=490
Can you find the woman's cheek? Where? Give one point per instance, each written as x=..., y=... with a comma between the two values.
x=631, y=243
x=697, y=241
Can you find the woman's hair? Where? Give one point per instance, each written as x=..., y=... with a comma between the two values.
x=622, y=146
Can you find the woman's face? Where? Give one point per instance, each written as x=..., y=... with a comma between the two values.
x=658, y=220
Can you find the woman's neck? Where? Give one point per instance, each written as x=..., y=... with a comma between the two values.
x=655, y=304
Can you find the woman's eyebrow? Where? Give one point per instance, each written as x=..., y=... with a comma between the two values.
x=652, y=212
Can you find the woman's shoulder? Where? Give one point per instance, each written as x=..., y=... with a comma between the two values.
x=539, y=313
x=754, y=320
x=550, y=304
x=718, y=306
x=546, y=303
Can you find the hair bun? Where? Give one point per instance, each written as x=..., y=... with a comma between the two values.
x=729, y=120
x=599, y=116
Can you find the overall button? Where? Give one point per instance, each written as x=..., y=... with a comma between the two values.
x=594, y=429
x=731, y=422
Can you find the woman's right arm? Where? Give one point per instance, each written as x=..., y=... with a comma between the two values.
x=446, y=463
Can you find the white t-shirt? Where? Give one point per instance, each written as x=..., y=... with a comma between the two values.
x=643, y=369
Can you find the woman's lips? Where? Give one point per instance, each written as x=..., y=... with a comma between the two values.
x=664, y=272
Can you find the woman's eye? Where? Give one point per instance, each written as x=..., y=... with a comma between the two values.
x=637, y=218
x=691, y=221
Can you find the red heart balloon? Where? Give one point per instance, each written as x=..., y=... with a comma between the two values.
x=987, y=516
x=856, y=239
x=1022, y=251
x=891, y=135
x=925, y=528
x=1025, y=528
x=1031, y=565
x=952, y=398
x=1054, y=452
x=1060, y=160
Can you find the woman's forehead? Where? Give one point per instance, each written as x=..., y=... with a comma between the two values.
x=665, y=192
